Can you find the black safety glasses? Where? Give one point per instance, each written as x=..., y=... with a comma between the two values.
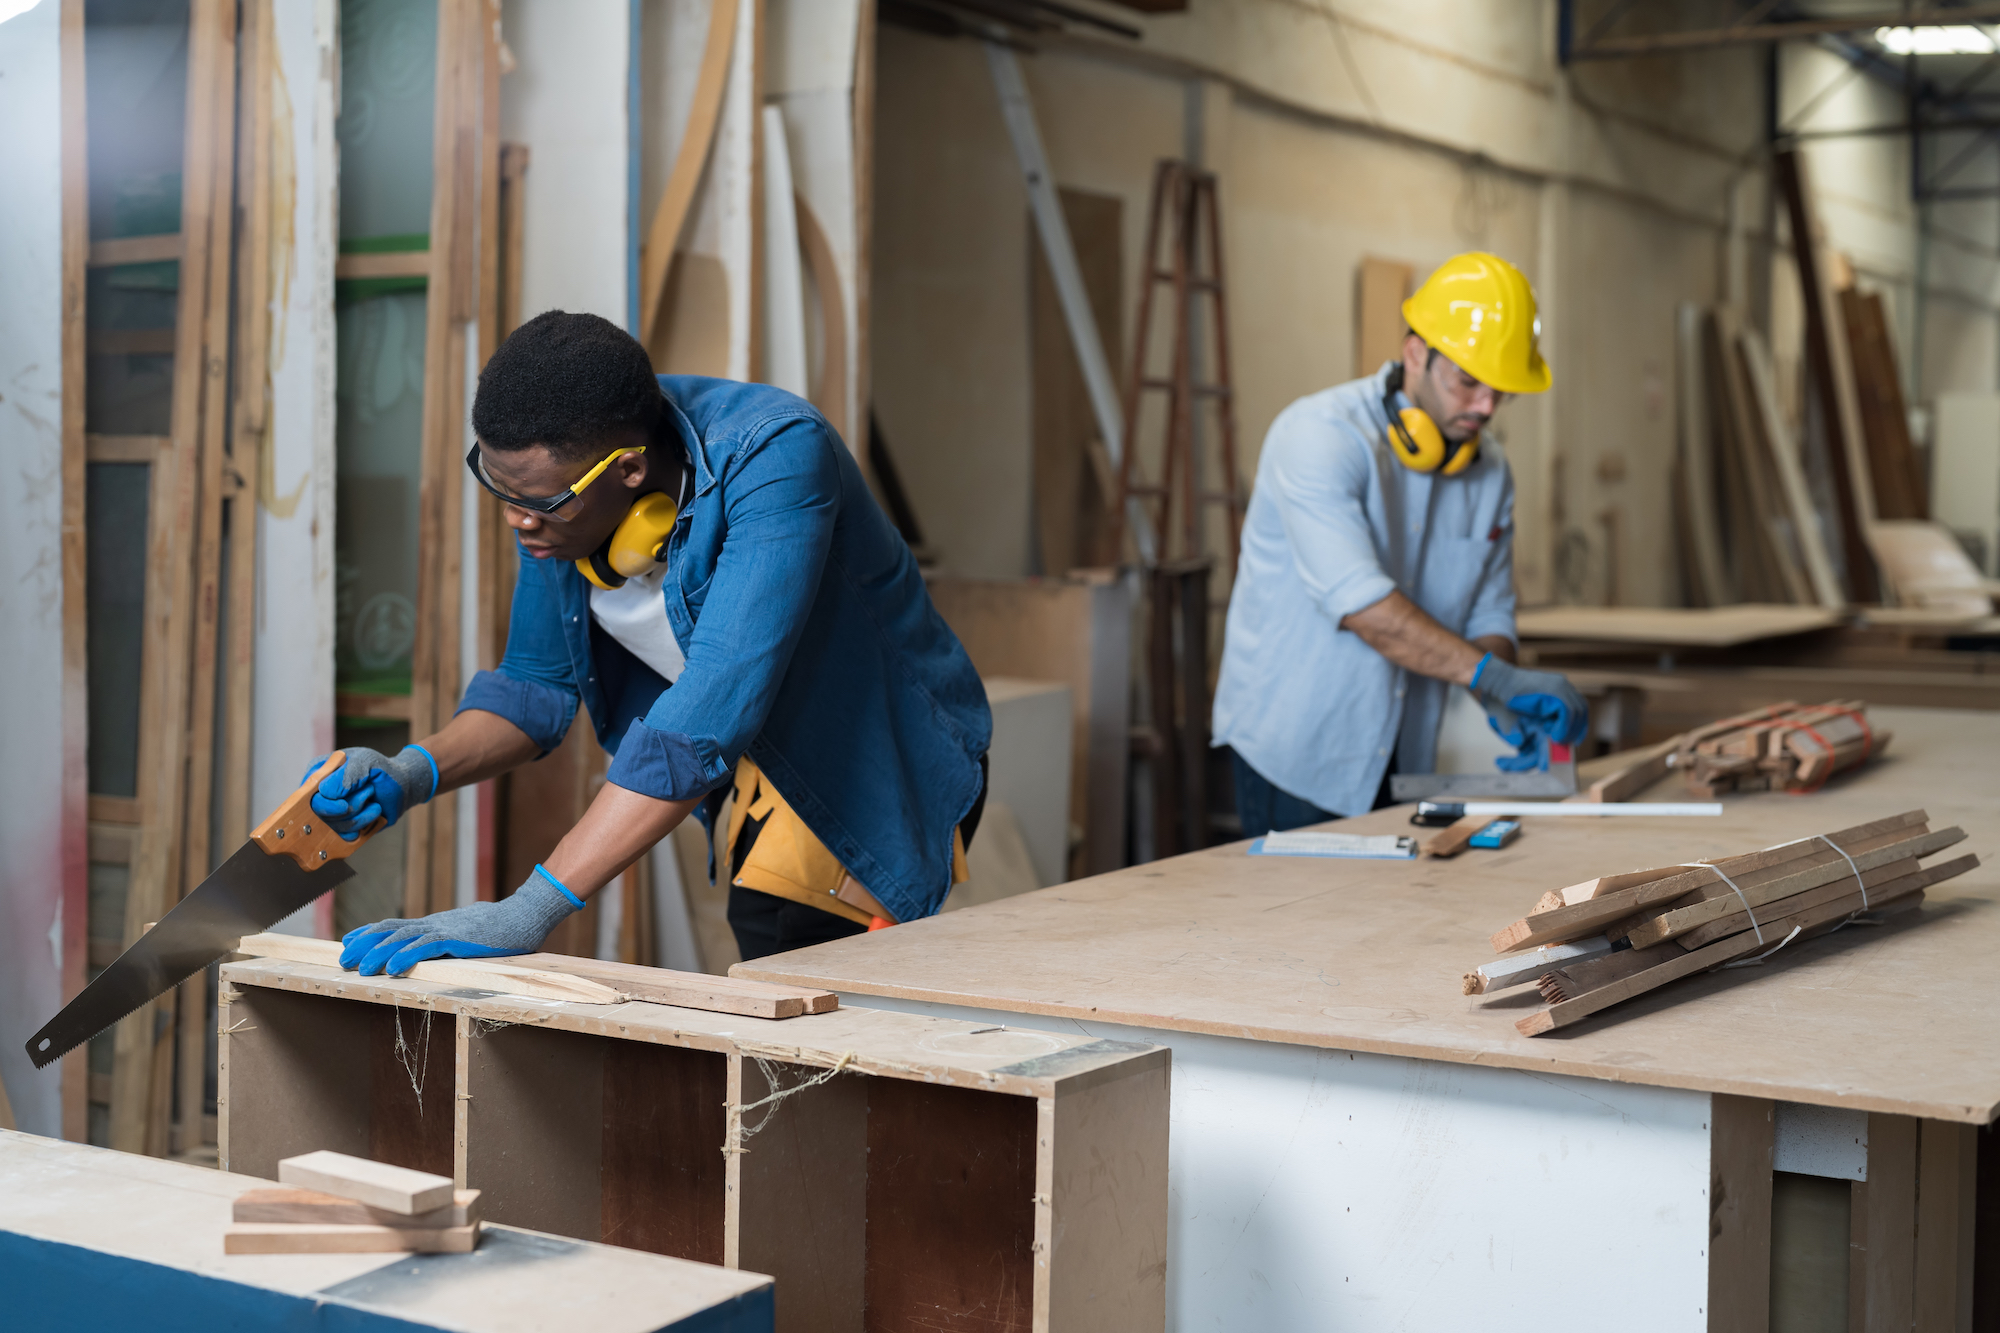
x=476, y=461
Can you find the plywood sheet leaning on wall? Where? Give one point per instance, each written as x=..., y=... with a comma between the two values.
x=1380, y=288
x=1078, y=631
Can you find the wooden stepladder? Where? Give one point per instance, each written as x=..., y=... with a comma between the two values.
x=1178, y=585
x=1184, y=196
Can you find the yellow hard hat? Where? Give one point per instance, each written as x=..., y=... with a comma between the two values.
x=1479, y=311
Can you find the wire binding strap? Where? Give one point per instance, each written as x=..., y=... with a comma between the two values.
x=1710, y=865
x=1758, y=960
x=1858, y=881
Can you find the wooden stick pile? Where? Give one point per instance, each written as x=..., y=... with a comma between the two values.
x=1591, y=945
x=349, y=1205
x=1788, y=746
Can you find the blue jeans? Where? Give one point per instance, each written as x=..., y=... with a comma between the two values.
x=1265, y=807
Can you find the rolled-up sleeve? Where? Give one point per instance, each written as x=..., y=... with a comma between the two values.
x=535, y=684
x=1321, y=471
x=1493, y=602
x=784, y=498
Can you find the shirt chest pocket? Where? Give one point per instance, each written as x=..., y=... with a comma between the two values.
x=1454, y=567
x=695, y=570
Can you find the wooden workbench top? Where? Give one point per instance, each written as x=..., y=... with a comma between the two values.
x=1368, y=955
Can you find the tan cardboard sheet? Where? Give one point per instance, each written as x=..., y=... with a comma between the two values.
x=1712, y=627
x=1367, y=955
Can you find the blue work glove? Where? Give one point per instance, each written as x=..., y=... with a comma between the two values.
x=372, y=786
x=516, y=924
x=1529, y=710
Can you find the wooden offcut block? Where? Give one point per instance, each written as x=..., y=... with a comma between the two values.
x=300, y=1206
x=316, y=1238
x=394, y=1188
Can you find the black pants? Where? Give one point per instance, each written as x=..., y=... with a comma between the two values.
x=764, y=923
x=1264, y=807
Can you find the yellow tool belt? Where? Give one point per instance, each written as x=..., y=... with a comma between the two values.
x=787, y=861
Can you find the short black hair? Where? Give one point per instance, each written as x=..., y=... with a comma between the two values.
x=573, y=383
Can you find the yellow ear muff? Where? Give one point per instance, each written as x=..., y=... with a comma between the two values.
x=1416, y=440
x=638, y=543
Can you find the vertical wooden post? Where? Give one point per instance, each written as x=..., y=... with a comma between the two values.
x=1740, y=1137
x=75, y=676
x=861, y=400
x=1881, y=1273
x=1947, y=1199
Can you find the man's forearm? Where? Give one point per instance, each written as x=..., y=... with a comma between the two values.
x=477, y=745
x=1405, y=633
x=615, y=831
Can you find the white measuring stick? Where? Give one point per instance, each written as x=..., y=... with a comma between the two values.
x=1520, y=809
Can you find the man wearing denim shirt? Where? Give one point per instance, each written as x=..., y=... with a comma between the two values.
x=1377, y=567
x=703, y=567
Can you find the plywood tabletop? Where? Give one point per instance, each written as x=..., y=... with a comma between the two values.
x=1368, y=955
x=1709, y=627
x=173, y=1215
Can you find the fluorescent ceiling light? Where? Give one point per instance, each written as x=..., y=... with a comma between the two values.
x=1944, y=40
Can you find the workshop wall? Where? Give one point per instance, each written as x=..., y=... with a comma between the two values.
x=1408, y=133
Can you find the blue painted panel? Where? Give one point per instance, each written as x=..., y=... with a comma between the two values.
x=50, y=1287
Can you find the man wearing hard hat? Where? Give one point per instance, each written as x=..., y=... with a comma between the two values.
x=1377, y=567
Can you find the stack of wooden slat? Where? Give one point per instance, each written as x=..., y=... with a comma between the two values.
x=349, y=1205
x=1788, y=746
x=1591, y=945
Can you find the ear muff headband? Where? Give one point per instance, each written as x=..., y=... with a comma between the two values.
x=1416, y=440
x=636, y=545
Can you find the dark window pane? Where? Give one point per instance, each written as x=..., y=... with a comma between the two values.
x=115, y=513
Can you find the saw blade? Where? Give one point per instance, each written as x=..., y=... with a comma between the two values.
x=248, y=893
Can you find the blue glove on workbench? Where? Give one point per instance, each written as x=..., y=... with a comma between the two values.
x=516, y=924
x=1527, y=708
x=372, y=786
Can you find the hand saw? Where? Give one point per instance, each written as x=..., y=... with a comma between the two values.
x=291, y=858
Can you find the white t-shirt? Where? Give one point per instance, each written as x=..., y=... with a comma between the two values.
x=635, y=614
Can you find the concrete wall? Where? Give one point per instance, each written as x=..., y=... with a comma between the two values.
x=39, y=847
x=1408, y=131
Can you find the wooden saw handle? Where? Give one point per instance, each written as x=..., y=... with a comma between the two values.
x=294, y=829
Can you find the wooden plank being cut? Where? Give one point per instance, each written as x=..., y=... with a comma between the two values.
x=377, y=1184
x=485, y=974
x=690, y=990
x=314, y=1238
x=1455, y=837
x=1684, y=919
x=303, y=1206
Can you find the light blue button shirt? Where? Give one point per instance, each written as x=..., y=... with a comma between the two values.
x=1335, y=525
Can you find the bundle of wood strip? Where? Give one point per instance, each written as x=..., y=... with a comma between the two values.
x=1788, y=746
x=1590, y=945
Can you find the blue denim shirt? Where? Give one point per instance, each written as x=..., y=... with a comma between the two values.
x=1335, y=525
x=811, y=645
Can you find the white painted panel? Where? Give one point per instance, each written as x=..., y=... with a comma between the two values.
x=784, y=277
x=1820, y=1141
x=292, y=675
x=31, y=591
x=465, y=886
x=1317, y=1189
x=1028, y=767
x=566, y=101
x=1965, y=468
x=673, y=928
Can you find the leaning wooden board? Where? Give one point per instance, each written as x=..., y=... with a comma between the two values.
x=1368, y=955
